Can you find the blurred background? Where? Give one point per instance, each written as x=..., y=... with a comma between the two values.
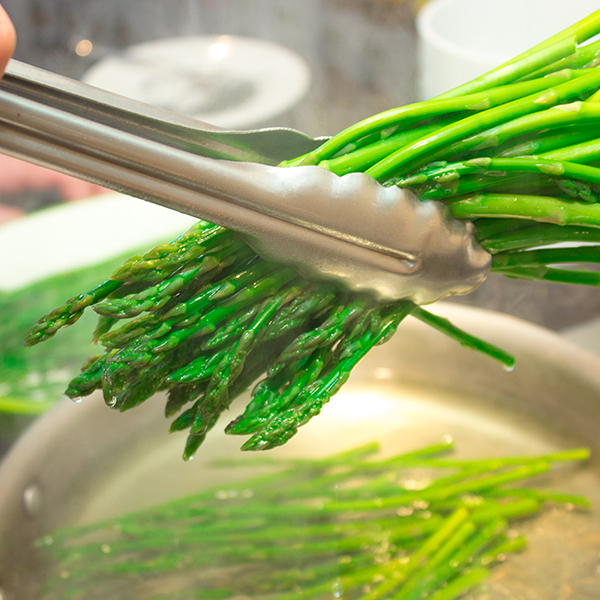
x=361, y=53
x=315, y=65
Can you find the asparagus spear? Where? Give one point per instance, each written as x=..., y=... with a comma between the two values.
x=269, y=537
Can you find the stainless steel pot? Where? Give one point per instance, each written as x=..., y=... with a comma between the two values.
x=84, y=462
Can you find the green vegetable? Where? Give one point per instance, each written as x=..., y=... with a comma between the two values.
x=203, y=317
x=294, y=533
x=33, y=379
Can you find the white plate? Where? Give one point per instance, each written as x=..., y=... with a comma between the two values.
x=69, y=236
x=228, y=81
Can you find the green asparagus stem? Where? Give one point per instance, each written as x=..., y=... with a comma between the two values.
x=462, y=583
x=269, y=536
x=69, y=313
x=464, y=338
x=459, y=560
x=538, y=235
x=537, y=208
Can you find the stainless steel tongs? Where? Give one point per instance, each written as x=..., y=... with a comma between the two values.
x=349, y=229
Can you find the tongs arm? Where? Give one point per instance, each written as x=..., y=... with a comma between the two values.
x=349, y=229
x=267, y=146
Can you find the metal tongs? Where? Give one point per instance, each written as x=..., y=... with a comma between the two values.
x=348, y=229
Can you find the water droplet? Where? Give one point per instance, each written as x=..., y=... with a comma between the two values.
x=337, y=589
x=48, y=540
x=112, y=402
x=32, y=500
x=105, y=549
x=405, y=511
x=509, y=368
x=232, y=493
x=221, y=495
x=247, y=494
x=79, y=400
x=421, y=504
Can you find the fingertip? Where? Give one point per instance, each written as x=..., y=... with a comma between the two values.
x=8, y=38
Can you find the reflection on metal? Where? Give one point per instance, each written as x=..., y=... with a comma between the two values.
x=32, y=500
x=361, y=235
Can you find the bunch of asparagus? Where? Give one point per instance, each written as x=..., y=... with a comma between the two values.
x=352, y=525
x=514, y=151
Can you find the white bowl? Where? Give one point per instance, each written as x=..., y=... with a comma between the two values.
x=462, y=39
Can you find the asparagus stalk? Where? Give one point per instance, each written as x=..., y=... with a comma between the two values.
x=272, y=534
x=203, y=317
